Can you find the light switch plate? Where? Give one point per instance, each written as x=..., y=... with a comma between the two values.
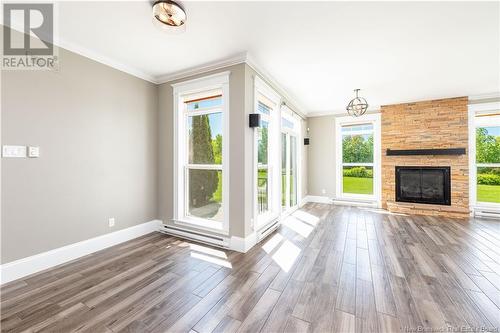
x=14, y=151
x=33, y=151
x=111, y=222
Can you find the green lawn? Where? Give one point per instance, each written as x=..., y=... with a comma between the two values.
x=217, y=196
x=358, y=185
x=488, y=193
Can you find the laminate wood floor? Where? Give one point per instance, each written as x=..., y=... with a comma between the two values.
x=327, y=269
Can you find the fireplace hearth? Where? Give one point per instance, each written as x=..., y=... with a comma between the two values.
x=419, y=184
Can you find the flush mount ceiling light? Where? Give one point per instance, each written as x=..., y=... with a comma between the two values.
x=357, y=106
x=169, y=14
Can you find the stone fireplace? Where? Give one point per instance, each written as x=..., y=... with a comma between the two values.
x=431, y=136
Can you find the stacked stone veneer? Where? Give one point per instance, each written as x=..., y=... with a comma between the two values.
x=429, y=124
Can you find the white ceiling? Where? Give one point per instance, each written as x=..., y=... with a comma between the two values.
x=317, y=52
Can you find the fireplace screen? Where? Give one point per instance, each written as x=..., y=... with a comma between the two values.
x=430, y=185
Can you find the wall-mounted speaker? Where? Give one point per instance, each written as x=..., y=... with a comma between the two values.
x=306, y=141
x=254, y=120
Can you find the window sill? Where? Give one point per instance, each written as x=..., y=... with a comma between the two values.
x=207, y=225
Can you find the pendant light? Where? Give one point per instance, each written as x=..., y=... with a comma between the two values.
x=357, y=106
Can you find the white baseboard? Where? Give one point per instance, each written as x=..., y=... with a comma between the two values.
x=38, y=262
x=317, y=198
x=243, y=244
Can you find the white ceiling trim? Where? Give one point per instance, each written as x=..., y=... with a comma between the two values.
x=372, y=109
x=75, y=48
x=240, y=58
x=268, y=77
x=203, y=68
x=105, y=61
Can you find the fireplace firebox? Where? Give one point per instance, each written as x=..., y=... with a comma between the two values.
x=429, y=185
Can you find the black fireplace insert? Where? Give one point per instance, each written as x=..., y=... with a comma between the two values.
x=430, y=185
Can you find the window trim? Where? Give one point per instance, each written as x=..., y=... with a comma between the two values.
x=181, y=165
x=373, y=119
x=473, y=111
x=274, y=209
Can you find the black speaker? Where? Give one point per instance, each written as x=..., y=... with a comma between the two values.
x=306, y=141
x=254, y=120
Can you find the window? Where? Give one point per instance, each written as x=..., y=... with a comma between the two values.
x=290, y=127
x=356, y=161
x=266, y=160
x=201, y=153
x=204, y=164
x=487, y=159
x=262, y=161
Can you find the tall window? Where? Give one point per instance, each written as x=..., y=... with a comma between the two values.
x=204, y=163
x=263, y=158
x=201, y=152
x=290, y=128
x=358, y=157
x=267, y=158
x=487, y=166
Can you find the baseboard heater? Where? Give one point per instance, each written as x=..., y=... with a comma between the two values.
x=485, y=212
x=263, y=233
x=196, y=236
x=360, y=203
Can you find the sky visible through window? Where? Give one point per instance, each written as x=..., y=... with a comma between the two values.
x=495, y=131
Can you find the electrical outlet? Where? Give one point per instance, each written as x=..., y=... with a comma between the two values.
x=323, y=191
x=33, y=151
x=111, y=222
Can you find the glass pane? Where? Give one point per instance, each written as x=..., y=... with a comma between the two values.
x=262, y=190
x=357, y=180
x=205, y=139
x=354, y=128
x=283, y=169
x=357, y=148
x=293, y=171
x=204, y=103
x=263, y=108
x=262, y=143
x=205, y=194
x=286, y=123
x=488, y=144
x=488, y=185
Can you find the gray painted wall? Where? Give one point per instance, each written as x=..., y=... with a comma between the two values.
x=97, y=132
x=321, y=156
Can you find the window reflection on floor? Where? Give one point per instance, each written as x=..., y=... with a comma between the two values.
x=286, y=255
x=209, y=255
x=282, y=250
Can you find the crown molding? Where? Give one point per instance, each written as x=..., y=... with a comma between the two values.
x=105, y=60
x=84, y=52
x=493, y=95
x=241, y=58
x=299, y=109
x=204, y=68
x=339, y=113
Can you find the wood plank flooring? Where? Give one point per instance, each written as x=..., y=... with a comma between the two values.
x=327, y=269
